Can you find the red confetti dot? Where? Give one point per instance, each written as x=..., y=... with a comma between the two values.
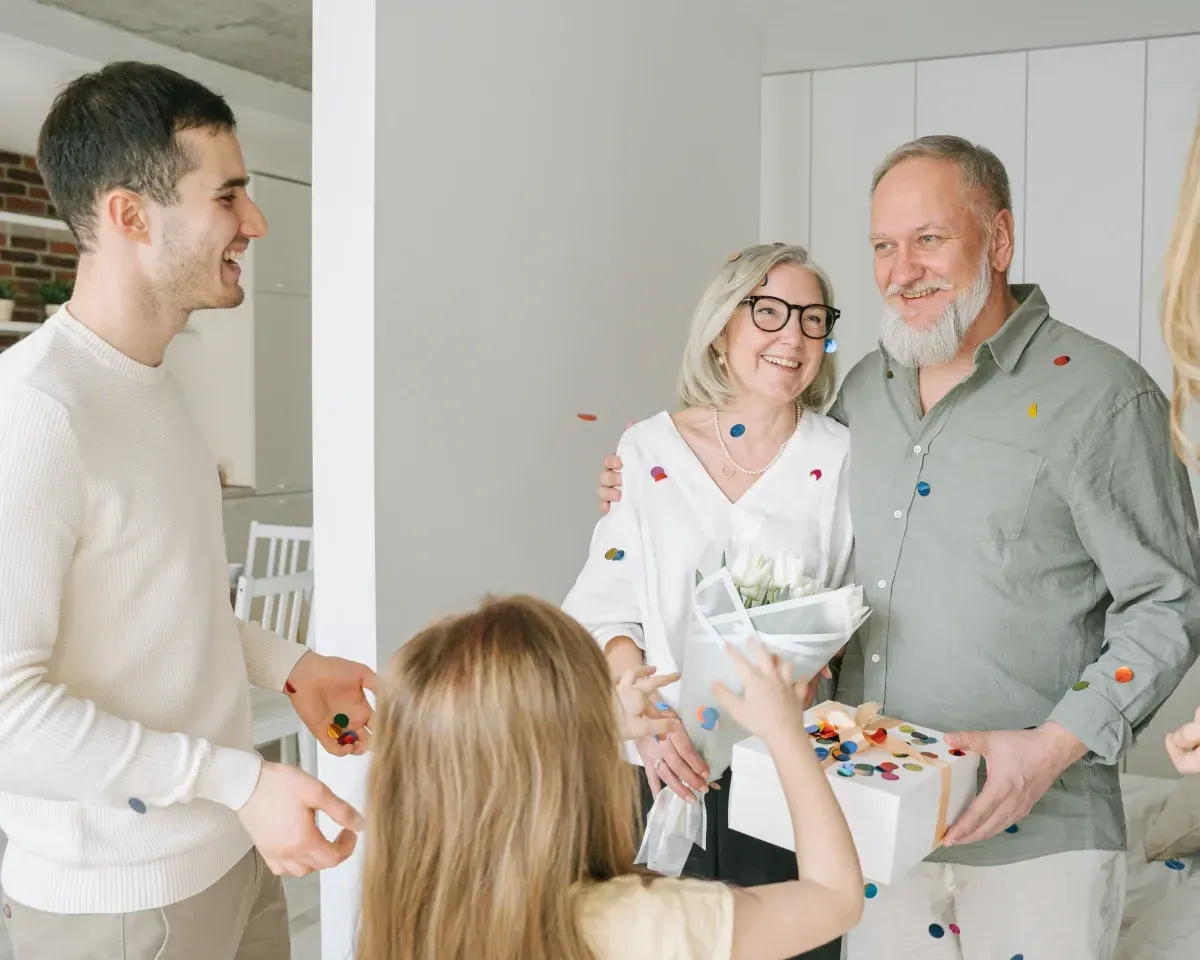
x=1062, y=361
x=586, y=416
x=289, y=688
x=957, y=753
x=658, y=473
x=888, y=776
x=877, y=736
x=816, y=474
x=887, y=766
x=954, y=929
x=1123, y=675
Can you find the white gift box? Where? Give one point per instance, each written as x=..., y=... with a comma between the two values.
x=899, y=787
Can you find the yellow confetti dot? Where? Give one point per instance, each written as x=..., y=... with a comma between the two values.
x=1033, y=409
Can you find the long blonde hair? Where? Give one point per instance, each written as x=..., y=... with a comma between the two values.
x=497, y=783
x=702, y=381
x=1181, y=303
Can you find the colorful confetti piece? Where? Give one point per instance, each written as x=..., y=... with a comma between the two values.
x=843, y=772
x=850, y=747
x=1081, y=685
x=1171, y=864
x=905, y=728
x=1018, y=956
x=662, y=706
x=1033, y=409
x=936, y=931
x=830, y=345
x=1062, y=361
x=923, y=488
x=341, y=720
x=614, y=554
x=347, y=738
x=1012, y=829
x=815, y=474
x=864, y=767
x=589, y=417
x=658, y=473
x=870, y=891
x=914, y=767
x=931, y=756
x=289, y=688
x=957, y=753
x=876, y=736
x=333, y=731
x=1123, y=675
x=954, y=929
x=136, y=805
x=887, y=766
x=812, y=729
x=890, y=375
x=709, y=717
x=822, y=753
x=888, y=776
x=737, y=429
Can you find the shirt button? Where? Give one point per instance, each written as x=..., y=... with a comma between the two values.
x=917, y=448
x=882, y=584
x=874, y=658
x=898, y=514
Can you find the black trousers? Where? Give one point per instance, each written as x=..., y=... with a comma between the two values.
x=737, y=858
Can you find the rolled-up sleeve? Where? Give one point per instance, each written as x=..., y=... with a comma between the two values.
x=607, y=595
x=1133, y=509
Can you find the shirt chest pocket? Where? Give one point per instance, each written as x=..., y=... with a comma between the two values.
x=979, y=490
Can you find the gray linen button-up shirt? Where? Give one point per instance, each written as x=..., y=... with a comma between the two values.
x=1024, y=546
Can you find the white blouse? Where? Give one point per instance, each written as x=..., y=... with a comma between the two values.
x=673, y=520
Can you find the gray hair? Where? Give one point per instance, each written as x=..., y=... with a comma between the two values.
x=702, y=381
x=979, y=169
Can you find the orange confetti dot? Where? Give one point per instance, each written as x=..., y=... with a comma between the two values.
x=586, y=416
x=1123, y=675
x=1062, y=361
x=1033, y=409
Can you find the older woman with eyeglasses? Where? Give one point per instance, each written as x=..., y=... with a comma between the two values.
x=748, y=460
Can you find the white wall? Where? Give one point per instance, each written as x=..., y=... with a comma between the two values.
x=1094, y=138
x=817, y=34
x=547, y=206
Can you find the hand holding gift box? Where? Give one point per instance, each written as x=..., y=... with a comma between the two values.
x=899, y=786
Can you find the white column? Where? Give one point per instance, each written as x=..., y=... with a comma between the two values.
x=516, y=207
x=343, y=349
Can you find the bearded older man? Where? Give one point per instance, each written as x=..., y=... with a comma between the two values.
x=1028, y=544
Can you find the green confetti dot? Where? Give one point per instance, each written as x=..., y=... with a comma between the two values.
x=914, y=767
x=1081, y=685
x=342, y=720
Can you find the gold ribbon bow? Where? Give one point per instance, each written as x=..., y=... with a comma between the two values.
x=868, y=730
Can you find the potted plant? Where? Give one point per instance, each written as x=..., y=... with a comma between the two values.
x=6, y=301
x=54, y=295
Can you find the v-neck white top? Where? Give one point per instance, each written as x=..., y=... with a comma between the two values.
x=673, y=519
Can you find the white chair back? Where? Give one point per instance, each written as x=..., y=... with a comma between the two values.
x=287, y=550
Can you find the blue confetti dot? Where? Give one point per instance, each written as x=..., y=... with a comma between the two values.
x=663, y=706
x=620, y=555
x=708, y=718
x=1173, y=864
x=849, y=747
x=812, y=728
x=822, y=753
x=1018, y=956
x=936, y=931
x=136, y=805
x=843, y=772
x=830, y=345
x=923, y=488
x=1013, y=829
x=870, y=890
x=737, y=429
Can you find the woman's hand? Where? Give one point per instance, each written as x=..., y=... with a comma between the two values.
x=768, y=706
x=1182, y=746
x=637, y=715
x=672, y=759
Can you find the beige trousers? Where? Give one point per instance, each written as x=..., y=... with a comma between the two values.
x=243, y=916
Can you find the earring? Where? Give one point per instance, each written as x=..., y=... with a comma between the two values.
x=830, y=345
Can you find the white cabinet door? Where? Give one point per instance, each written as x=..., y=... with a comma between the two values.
x=1083, y=226
x=981, y=99
x=282, y=392
x=1172, y=106
x=282, y=260
x=859, y=116
x=786, y=172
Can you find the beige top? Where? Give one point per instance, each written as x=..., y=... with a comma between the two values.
x=665, y=919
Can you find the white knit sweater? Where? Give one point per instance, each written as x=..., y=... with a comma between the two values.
x=123, y=672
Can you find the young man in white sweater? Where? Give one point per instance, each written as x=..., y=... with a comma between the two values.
x=141, y=822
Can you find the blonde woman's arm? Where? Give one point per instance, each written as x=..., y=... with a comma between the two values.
x=780, y=920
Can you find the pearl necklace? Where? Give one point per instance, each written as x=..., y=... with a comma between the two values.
x=728, y=471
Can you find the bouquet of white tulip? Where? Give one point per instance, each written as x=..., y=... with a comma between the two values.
x=795, y=616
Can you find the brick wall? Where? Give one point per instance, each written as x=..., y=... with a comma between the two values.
x=27, y=261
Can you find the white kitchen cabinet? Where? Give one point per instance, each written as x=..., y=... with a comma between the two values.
x=1083, y=226
x=859, y=116
x=282, y=261
x=282, y=392
x=981, y=99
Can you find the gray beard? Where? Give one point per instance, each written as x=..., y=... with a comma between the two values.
x=940, y=343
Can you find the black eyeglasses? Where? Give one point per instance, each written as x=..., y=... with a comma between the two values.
x=770, y=315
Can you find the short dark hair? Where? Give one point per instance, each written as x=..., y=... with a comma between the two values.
x=116, y=128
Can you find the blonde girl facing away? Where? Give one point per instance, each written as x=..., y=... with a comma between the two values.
x=504, y=819
x=1181, y=331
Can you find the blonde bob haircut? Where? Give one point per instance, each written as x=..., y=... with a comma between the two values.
x=1181, y=304
x=702, y=381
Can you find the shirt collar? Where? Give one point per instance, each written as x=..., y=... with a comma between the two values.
x=1009, y=342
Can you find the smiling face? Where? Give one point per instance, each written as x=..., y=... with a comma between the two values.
x=933, y=261
x=193, y=259
x=776, y=367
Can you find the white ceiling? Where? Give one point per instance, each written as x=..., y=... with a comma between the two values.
x=272, y=38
